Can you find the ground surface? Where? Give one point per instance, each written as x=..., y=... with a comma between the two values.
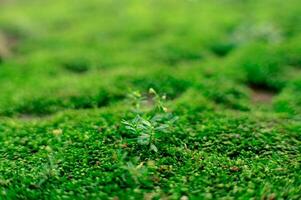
x=79, y=120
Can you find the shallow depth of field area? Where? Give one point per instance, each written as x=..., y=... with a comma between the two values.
x=150, y=99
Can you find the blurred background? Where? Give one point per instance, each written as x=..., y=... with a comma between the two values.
x=78, y=54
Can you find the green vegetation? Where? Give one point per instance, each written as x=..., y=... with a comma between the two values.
x=133, y=99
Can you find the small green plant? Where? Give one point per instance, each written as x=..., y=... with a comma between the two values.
x=147, y=126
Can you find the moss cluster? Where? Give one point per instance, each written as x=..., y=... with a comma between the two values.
x=68, y=120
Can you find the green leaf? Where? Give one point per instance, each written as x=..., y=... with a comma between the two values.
x=153, y=148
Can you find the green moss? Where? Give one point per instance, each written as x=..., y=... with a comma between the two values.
x=78, y=119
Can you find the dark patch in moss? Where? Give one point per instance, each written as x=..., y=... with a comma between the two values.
x=173, y=54
x=77, y=65
x=222, y=49
x=262, y=93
